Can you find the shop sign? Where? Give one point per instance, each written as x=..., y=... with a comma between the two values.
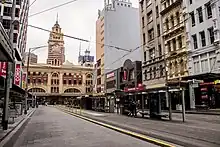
x=139, y=88
x=110, y=75
x=24, y=80
x=217, y=82
x=125, y=75
x=209, y=83
x=3, y=69
x=18, y=73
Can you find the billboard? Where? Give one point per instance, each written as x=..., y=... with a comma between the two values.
x=24, y=80
x=3, y=69
x=18, y=74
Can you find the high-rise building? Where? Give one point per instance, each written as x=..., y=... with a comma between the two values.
x=32, y=59
x=117, y=32
x=86, y=59
x=56, y=48
x=203, y=40
x=20, y=23
x=153, y=65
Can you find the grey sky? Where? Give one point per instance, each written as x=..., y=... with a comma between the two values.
x=76, y=19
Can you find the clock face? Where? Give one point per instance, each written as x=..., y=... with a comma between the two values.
x=56, y=48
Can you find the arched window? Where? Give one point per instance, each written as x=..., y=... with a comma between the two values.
x=89, y=76
x=55, y=75
x=39, y=90
x=72, y=90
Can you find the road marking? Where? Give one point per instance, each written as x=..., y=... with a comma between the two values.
x=137, y=135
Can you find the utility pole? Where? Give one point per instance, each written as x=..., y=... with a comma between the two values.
x=9, y=71
x=26, y=88
x=167, y=89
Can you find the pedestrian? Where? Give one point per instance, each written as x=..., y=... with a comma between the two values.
x=133, y=107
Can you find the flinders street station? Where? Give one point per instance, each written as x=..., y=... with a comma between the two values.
x=58, y=80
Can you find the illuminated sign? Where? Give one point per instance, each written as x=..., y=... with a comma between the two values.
x=110, y=75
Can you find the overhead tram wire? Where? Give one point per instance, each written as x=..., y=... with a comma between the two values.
x=60, y=5
x=80, y=39
x=32, y=3
x=158, y=37
x=130, y=51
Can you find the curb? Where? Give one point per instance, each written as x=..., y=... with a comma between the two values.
x=199, y=112
x=10, y=138
x=124, y=131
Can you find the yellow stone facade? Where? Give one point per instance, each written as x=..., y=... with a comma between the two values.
x=65, y=81
x=174, y=38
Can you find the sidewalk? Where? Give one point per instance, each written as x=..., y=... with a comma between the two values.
x=193, y=133
x=12, y=126
x=206, y=112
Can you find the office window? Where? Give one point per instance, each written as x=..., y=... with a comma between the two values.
x=15, y=37
x=6, y=24
x=17, y=11
x=195, y=44
x=174, y=44
x=161, y=71
x=157, y=11
x=180, y=42
x=168, y=46
x=152, y=53
x=211, y=35
x=190, y=2
x=208, y=10
x=18, y=2
x=158, y=29
x=144, y=38
x=192, y=18
x=149, y=16
x=204, y=64
x=141, y=5
x=196, y=67
x=160, y=50
x=145, y=56
x=172, y=21
x=202, y=37
x=16, y=25
x=177, y=17
x=167, y=24
x=7, y=11
x=150, y=34
x=143, y=22
x=199, y=11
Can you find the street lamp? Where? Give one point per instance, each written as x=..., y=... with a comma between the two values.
x=28, y=63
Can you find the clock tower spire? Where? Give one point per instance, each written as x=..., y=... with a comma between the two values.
x=56, y=48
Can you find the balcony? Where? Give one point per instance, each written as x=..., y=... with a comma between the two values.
x=153, y=61
x=176, y=53
x=174, y=30
x=170, y=6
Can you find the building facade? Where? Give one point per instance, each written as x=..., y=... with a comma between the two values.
x=56, y=50
x=33, y=58
x=55, y=83
x=20, y=24
x=174, y=38
x=117, y=32
x=203, y=38
x=153, y=64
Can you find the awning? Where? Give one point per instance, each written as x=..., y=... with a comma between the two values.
x=205, y=76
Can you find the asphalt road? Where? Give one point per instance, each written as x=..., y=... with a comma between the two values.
x=50, y=127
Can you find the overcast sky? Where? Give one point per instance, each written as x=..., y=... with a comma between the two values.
x=76, y=19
